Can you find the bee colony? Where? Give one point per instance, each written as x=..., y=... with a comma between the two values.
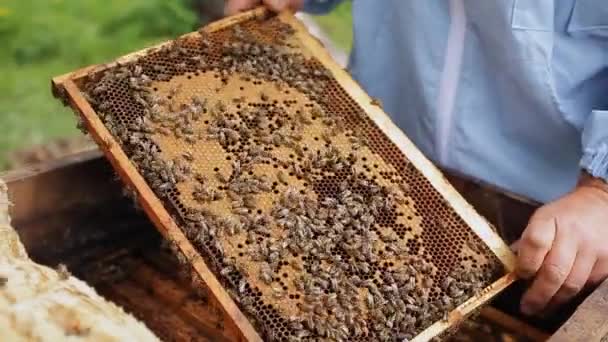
x=291, y=184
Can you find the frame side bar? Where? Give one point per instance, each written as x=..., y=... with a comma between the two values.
x=155, y=209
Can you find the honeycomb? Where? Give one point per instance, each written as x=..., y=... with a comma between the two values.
x=315, y=222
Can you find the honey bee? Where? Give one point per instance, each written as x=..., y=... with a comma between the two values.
x=278, y=292
x=447, y=301
x=158, y=68
x=190, y=139
x=163, y=77
x=265, y=186
x=241, y=211
x=263, y=96
x=187, y=155
x=173, y=90
x=427, y=282
x=99, y=89
x=140, y=100
x=405, y=188
x=474, y=244
x=218, y=247
x=239, y=100
x=220, y=106
x=105, y=105
x=249, y=201
x=266, y=274
x=456, y=292
x=326, y=138
x=376, y=102
x=242, y=287
x=297, y=170
x=303, y=119
x=226, y=270
x=299, y=151
x=163, y=130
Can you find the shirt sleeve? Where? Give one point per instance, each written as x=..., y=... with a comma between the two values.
x=319, y=6
x=595, y=144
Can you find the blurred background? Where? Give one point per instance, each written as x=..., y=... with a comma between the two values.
x=45, y=38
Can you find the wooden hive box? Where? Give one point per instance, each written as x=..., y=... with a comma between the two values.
x=285, y=188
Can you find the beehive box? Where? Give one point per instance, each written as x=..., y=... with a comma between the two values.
x=286, y=189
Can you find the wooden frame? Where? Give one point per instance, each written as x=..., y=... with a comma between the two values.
x=66, y=88
x=590, y=321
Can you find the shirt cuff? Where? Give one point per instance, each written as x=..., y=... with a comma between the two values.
x=595, y=161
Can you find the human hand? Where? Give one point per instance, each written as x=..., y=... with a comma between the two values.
x=565, y=246
x=236, y=6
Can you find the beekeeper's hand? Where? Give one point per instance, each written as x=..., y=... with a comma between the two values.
x=236, y=6
x=565, y=246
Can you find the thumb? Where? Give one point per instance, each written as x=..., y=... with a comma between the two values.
x=277, y=5
x=235, y=6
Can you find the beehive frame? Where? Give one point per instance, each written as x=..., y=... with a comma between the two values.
x=67, y=88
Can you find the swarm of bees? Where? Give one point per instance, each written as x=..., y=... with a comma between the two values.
x=330, y=253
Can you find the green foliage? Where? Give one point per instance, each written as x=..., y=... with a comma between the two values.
x=155, y=18
x=44, y=38
x=338, y=25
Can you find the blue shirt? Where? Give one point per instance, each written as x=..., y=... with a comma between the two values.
x=512, y=92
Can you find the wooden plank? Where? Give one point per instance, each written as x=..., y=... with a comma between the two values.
x=38, y=190
x=512, y=324
x=61, y=164
x=165, y=323
x=161, y=263
x=589, y=323
x=181, y=300
x=155, y=209
x=59, y=236
x=56, y=203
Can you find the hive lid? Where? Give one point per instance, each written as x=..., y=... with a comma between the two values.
x=286, y=188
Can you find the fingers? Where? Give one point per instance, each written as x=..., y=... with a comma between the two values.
x=515, y=247
x=282, y=5
x=535, y=243
x=578, y=277
x=551, y=275
x=235, y=6
x=277, y=5
x=599, y=273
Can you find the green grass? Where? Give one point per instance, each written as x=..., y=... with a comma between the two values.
x=338, y=25
x=44, y=38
